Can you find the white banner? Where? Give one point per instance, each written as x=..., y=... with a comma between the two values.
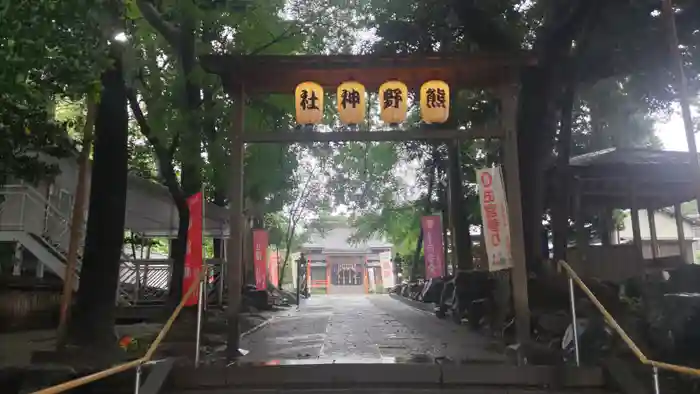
x=494, y=216
x=387, y=269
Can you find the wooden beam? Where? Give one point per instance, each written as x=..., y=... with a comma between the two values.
x=652, y=233
x=681, y=231
x=281, y=74
x=659, y=194
x=306, y=136
x=579, y=223
x=636, y=231
x=235, y=243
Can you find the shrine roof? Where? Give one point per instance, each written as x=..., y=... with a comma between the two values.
x=630, y=157
x=281, y=74
x=340, y=239
x=610, y=177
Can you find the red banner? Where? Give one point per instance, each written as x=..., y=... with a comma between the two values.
x=193, y=254
x=432, y=246
x=273, y=263
x=260, y=258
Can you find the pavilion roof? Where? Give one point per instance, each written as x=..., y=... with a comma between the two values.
x=610, y=177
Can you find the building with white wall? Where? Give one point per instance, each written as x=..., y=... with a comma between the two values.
x=666, y=233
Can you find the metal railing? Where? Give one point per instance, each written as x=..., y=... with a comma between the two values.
x=147, y=281
x=144, y=280
x=147, y=359
x=53, y=226
x=656, y=365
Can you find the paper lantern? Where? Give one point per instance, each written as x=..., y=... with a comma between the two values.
x=435, y=102
x=351, y=102
x=309, y=103
x=393, y=105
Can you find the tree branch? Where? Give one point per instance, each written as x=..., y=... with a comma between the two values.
x=167, y=171
x=173, y=146
x=155, y=19
x=481, y=28
x=276, y=40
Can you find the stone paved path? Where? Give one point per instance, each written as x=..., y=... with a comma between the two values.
x=363, y=328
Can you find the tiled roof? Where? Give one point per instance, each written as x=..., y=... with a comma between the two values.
x=338, y=239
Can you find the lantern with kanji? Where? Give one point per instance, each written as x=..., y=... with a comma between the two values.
x=309, y=103
x=351, y=102
x=435, y=102
x=393, y=105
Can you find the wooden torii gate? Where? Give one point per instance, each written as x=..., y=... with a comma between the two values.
x=243, y=76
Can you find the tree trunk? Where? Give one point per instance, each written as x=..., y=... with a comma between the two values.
x=444, y=210
x=93, y=324
x=561, y=205
x=190, y=154
x=427, y=208
x=461, y=238
x=536, y=125
x=178, y=247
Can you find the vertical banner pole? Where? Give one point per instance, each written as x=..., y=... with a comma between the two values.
x=199, y=325
x=515, y=212
x=299, y=260
x=202, y=299
x=328, y=276
x=307, y=277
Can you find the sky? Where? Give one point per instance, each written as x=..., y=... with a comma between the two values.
x=672, y=133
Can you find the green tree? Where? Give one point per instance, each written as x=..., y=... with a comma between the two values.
x=184, y=113
x=614, y=41
x=49, y=50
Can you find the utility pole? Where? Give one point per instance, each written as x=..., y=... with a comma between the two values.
x=77, y=220
x=682, y=86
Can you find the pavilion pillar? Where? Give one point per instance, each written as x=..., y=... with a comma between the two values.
x=636, y=231
x=235, y=244
x=606, y=226
x=515, y=212
x=222, y=271
x=652, y=231
x=328, y=276
x=682, y=246
x=580, y=222
x=560, y=215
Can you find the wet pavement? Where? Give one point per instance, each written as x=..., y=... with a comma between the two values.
x=364, y=329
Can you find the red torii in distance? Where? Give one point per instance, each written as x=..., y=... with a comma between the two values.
x=268, y=74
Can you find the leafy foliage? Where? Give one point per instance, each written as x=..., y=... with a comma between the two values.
x=49, y=50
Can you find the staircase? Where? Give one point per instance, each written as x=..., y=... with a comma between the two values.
x=29, y=219
x=389, y=378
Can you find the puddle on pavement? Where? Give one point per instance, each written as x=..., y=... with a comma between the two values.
x=415, y=359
